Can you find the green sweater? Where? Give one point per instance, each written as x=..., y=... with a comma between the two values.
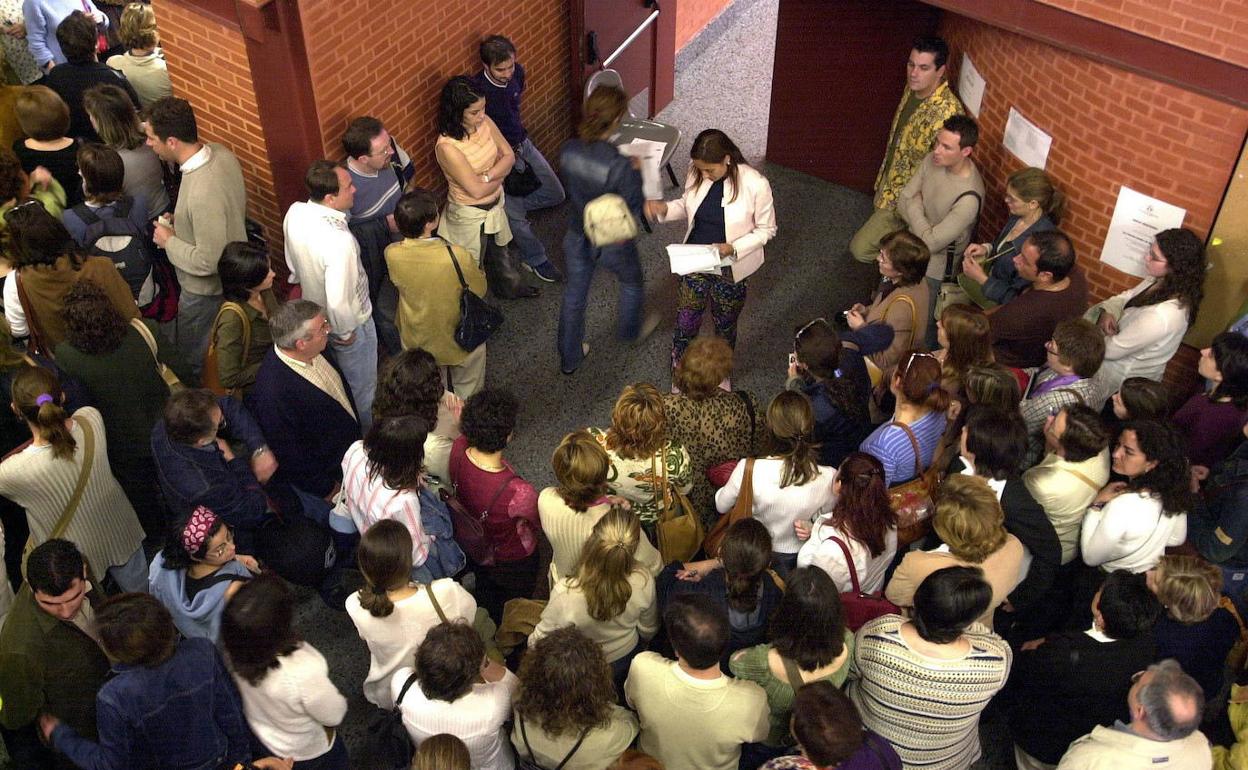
x=211, y=212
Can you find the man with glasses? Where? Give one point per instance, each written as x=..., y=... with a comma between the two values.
x=1058, y=291
x=50, y=657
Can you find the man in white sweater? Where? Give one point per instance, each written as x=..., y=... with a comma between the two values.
x=692, y=716
x=324, y=259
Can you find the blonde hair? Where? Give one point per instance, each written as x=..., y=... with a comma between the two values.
x=138, y=26
x=638, y=423
x=607, y=560
x=706, y=363
x=581, y=466
x=969, y=518
x=37, y=396
x=601, y=110
x=1033, y=184
x=1188, y=586
x=442, y=752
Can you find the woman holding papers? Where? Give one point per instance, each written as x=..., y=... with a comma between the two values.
x=728, y=205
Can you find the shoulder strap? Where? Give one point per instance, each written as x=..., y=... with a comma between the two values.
x=524, y=736
x=462, y=283
x=226, y=577
x=146, y=334
x=749, y=408
x=234, y=307
x=914, y=442
x=849, y=562
x=572, y=751
x=32, y=321
x=402, y=692
x=950, y=256
x=499, y=493
x=1081, y=477
x=122, y=206
x=84, y=212
x=747, y=482
x=792, y=673
x=433, y=599
x=914, y=312
x=84, y=475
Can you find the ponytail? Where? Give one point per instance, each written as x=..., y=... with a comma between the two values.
x=38, y=398
x=375, y=599
x=790, y=426
x=385, y=559
x=607, y=560
x=745, y=552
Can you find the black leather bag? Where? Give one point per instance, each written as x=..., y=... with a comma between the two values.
x=388, y=739
x=522, y=180
x=478, y=319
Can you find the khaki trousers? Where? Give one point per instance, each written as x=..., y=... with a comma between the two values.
x=865, y=245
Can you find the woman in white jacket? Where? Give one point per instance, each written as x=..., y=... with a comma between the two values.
x=1141, y=339
x=727, y=204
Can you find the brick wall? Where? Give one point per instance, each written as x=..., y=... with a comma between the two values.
x=1109, y=128
x=693, y=15
x=1217, y=28
x=415, y=48
x=208, y=67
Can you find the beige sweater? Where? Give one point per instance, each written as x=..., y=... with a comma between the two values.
x=1065, y=497
x=616, y=636
x=1002, y=569
x=601, y=744
x=927, y=205
x=211, y=212
x=568, y=530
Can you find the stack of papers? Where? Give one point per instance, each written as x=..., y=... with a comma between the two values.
x=650, y=153
x=689, y=258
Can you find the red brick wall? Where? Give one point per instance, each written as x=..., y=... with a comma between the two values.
x=1109, y=128
x=208, y=67
x=693, y=15
x=398, y=74
x=1217, y=28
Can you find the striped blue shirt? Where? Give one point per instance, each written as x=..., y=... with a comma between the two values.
x=892, y=446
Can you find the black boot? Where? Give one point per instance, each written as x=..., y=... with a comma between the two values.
x=502, y=273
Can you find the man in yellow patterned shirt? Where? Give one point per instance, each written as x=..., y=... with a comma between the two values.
x=927, y=103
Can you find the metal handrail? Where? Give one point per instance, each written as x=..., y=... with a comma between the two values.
x=629, y=40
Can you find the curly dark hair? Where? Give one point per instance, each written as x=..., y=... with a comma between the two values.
x=410, y=383
x=448, y=661
x=565, y=683
x=1170, y=479
x=458, y=94
x=92, y=324
x=35, y=237
x=488, y=419
x=1185, y=278
x=12, y=176
x=396, y=451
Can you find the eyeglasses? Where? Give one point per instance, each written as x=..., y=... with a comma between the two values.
x=383, y=152
x=222, y=549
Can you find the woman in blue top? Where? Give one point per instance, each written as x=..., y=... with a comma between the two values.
x=1035, y=205
x=918, y=420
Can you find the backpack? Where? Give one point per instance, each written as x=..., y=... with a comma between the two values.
x=607, y=221
x=113, y=235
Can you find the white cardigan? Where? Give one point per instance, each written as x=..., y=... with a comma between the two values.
x=1147, y=339
x=1130, y=532
x=749, y=221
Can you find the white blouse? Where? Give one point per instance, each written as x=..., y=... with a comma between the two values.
x=293, y=704
x=1147, y=339
x=1129, y=532
x=477, y=718
x=823, y=552
x=778, y=507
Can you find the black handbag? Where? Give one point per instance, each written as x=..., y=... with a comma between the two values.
x=478, y=319
x=520, y=182
x=390, y=744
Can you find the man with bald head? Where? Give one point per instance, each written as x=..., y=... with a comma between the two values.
x=1166, y=707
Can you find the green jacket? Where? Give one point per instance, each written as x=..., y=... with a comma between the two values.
x=914, y=143
x=237, y=366
x=48, y=665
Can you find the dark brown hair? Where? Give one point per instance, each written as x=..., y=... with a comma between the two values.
x=448, y=661
x=745, y=553
x=396, y=451
x=136, y=630
x=92, y=324
x=908, y=254
x=712, y=146
x=257, y=627
x=863, y=509
x=790, y=436
x=385, y=559
x=581, y=466
x=603, y=107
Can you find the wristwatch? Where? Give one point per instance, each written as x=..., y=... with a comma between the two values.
x=259, y=451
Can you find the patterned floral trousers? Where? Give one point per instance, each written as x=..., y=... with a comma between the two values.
x=693, y=294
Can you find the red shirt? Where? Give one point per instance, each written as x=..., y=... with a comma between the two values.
x=512, y=524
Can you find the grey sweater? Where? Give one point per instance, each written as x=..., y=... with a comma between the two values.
x=211, y=211
x=927, y=206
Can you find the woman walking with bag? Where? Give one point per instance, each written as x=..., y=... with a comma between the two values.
x=726, y=204
x=240, y=334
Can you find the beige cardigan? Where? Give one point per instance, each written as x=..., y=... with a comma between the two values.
x=429, y=294
x=1002, y=569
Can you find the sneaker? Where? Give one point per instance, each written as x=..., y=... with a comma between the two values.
x=584, y=355
x=546, y=272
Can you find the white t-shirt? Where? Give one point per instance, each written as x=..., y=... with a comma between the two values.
x=293, y=704
x=776, y=507
x=477, y=718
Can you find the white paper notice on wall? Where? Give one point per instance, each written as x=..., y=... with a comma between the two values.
x=1137, y=220
x=970, y=86
x=1025, y=139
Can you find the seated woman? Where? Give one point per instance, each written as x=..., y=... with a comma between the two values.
x=111, y=112
x=861, y=519
x=47, y=265
x=971, y=524
x=1212, y=422
x=454, y=688
x=410, y=384
x=290, y=703
x=102, y=173
x=196, y=465
x=965, y=340
x=610, y=596
x=64, y=452
x=902, y=300
x=392, y=613
x=486, y=483
x=44, y=118
x=1085, y=674
x=831, y=373
x=1035, y=205
x=906, y=445
x=381, y=481
x=1139, y=398
x=429, y=290
x=566, y=714
x=788, y=485
x=643, y=456
x=1194, y=630
x=809, y=643
x=830, y=733
x=197, y=572
x=1072, y=358
x=744, y=586
x=1142, y=337
x=240, y=333
x=170, y=703
x=570, y=510
x=922, y=683
x=712, y=424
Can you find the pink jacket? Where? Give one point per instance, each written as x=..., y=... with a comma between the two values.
x=749, y=221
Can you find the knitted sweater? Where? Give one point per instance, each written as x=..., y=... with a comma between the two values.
x=211, y=212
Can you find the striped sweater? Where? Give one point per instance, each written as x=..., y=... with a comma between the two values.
x=927, y=708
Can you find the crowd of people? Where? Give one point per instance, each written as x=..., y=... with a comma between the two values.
x=970, y=492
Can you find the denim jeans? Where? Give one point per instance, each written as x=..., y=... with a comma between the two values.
x=549, y=194
x=581, y=258
x=358, y=362
x=193, y=326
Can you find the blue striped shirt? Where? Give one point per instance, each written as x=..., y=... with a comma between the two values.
x=892, y=446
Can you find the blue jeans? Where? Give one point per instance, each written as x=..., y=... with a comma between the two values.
x=193, y=326
x=549, y=194
x=358, y=362
x=581, y=259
